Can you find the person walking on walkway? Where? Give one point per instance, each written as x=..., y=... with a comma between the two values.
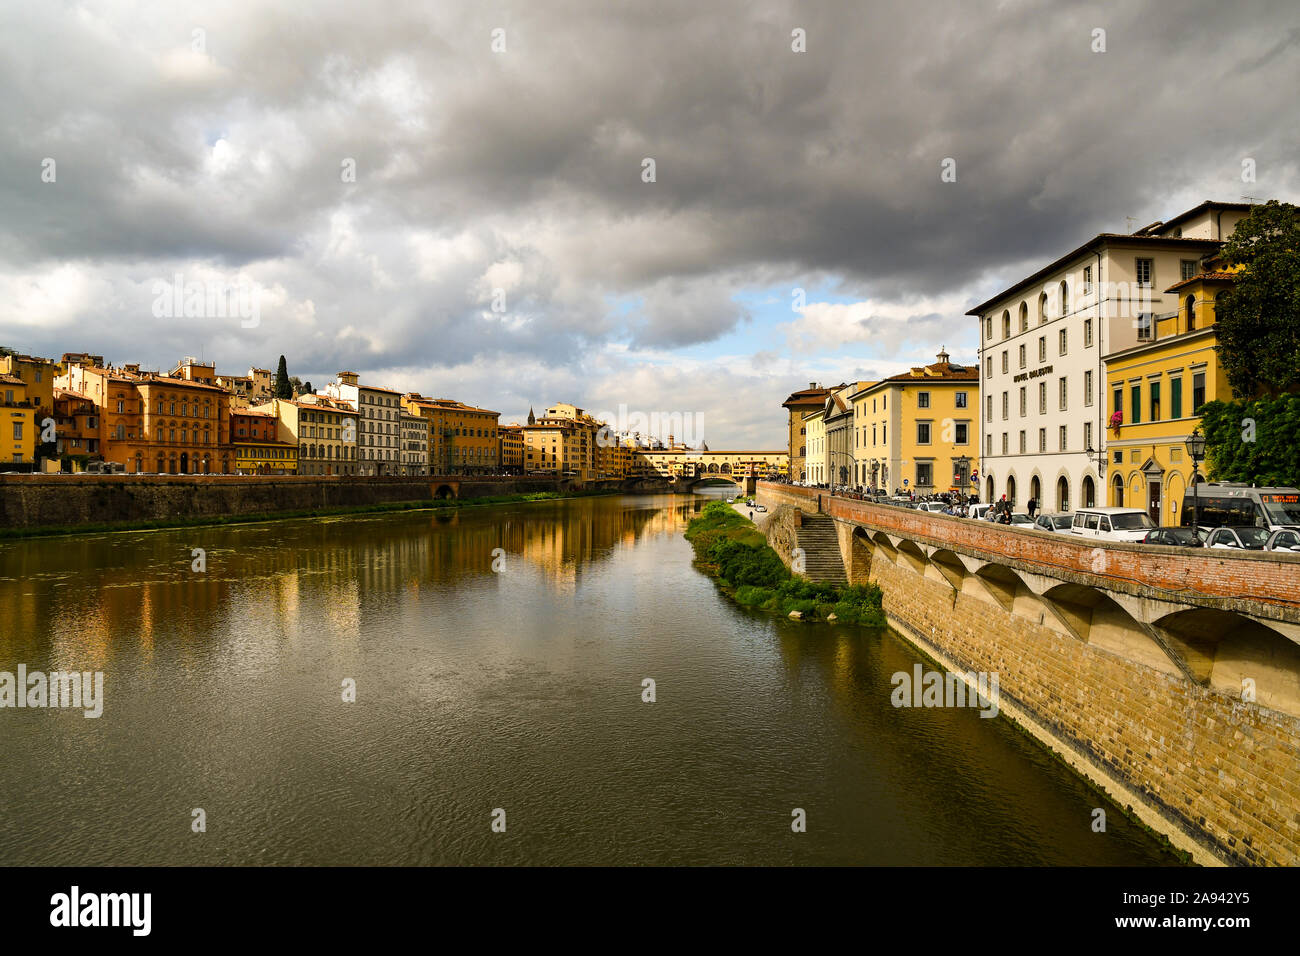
x=1033, y=506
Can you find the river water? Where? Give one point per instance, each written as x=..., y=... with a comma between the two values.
x=516, y=688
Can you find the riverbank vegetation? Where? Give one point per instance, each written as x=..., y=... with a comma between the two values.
x=736, y=553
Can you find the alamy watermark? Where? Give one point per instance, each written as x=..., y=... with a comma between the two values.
x=208, y=299
x=74, y=689
x=685, y=428
x=923, y=688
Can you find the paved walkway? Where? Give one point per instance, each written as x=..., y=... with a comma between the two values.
x=760, y=518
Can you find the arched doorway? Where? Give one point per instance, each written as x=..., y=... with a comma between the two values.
x=1011, y=489
x=1062, y=494
x=1117, y=492
x=988, y=493
x=1036, y=490
x=1089, y=493
x=185, y=463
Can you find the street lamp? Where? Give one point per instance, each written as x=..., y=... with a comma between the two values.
x=1196, y=449
x=963, y=474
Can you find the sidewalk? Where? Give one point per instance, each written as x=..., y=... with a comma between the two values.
x=760, y=518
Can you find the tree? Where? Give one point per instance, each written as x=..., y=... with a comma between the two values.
x=282, y=387
x=1253, y=440
x=1258, y=319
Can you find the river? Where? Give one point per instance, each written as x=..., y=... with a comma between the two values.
x=487, y=680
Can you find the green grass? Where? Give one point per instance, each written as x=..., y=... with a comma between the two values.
x=736, y=554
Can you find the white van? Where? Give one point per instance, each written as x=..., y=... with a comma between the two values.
x=1112, y=524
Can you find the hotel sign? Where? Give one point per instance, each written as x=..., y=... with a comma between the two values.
x=1036, y=373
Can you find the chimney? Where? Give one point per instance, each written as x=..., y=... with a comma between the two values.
x=812, y=385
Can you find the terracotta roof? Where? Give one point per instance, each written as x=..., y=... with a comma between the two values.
x=1204, y=277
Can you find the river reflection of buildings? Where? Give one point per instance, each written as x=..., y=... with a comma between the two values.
x=67, y=600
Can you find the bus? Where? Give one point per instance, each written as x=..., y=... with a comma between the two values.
x=1234, y=505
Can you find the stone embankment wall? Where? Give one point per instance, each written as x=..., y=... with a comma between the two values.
x=69, y=500
x=1218, y=775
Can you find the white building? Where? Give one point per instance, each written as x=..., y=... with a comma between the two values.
x=379, y=413
x=1042, y=379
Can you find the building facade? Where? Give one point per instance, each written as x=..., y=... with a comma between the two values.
x=1156, y=391
x=916, y=432
x=1042, y=341
x=799, y=405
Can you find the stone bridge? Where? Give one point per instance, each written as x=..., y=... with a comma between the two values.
x=1170, y=677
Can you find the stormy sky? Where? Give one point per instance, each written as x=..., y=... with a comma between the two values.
x=498, y=242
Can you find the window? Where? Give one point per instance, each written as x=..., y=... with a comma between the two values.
x=961, y=434
x=1191, y=313
x=1142, y=270
x=1145, y=326
x=1064, y=437
x=960, y=400
x=1087, y=387
x=1004, y=361
x=1004, y=443
x=1198, y=392
x=1136, y=404
x=988, y=373
x=1176, y=397
x=1087, y=434
x=1023, y=403
x=18, y=432
x=1062, y=341
x=1006, y=406
x=1063, y=390
x=1042, y=348
x=988, y=326
x=922, y=399
x=1024, y=316
x=1042, y=439
x=1117, y=401
x=1155, y=401
x=1022, y=356
x=988, y=444
x=1187, y=268
x=1042, y=398
x=1087, y=279
x=1006, y=325
x=1042, y=308
x=988, y=405
x=1087, y=333
x=1022, y=441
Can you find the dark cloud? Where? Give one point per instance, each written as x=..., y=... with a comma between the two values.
x=525, y=167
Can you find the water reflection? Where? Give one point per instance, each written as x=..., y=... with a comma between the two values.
x=477, y=688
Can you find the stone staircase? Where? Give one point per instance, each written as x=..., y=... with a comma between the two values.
x=821, y=548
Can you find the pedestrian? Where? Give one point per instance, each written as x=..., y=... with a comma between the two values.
x=1033, y=506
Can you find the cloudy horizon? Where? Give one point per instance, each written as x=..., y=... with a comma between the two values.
x=454, y=200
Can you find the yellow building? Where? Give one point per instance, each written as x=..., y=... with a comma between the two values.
x=1155, y=390
x=324, y=430
x=815, y=466
x=258, y=447
x=800, y=405
x=37, y=374
x=18, y=425
x=463, y=439
x=917, y=431
x=511, y=451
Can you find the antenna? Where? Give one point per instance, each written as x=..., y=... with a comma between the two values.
x=1253, y=200
x=1129, y=220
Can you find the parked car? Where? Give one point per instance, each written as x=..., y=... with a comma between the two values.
x=760, y=507
x=1174, y=537
x=978, y=511
x=1059, y=523
x=1247, y=539
x=1112, y=524
x=1287, y=539
x=931, y=506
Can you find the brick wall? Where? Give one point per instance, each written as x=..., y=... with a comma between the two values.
x=1220, y=777
x=69, y=500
